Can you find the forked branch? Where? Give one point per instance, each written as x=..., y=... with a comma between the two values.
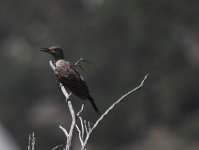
x=122, y=98
x=86, y=128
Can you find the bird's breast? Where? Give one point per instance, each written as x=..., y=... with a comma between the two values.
x=62, y=63
x=62, y=67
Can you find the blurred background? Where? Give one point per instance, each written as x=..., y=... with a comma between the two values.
x=125, y=40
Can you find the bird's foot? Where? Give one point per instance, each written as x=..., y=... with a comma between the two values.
x=59, y=85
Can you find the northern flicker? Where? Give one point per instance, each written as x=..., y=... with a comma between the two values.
x=68, y=76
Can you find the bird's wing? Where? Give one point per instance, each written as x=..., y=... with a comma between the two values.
x=73, y=81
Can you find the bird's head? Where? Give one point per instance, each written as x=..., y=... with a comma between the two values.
x=55, y=51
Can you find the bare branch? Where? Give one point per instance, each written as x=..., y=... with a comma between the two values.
x=82, y=108
x=79, y=131
x=82, y=60
x=66, y=94
x=69, y=140
x=31, y=142
x=119, y=100
x=89, y=126
x=64, y=130
x=57, y=147
x=82, y=125
x=110, y=108
x=70, y=134
x=85, y=126
x=81, y=122
x=79, y=61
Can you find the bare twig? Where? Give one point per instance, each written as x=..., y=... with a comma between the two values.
x=82, y=125
x=69, y=140
x=64, y=130
x=31, y=142
x=82, y=108
x=80, y=137
x=85, y=126
x=110, y=108
x=57, y=147
x=82, y=60
x=79, y=61
x=81, y=122
x=89, y=126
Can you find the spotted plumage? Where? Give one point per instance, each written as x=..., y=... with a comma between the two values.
x=66, y=74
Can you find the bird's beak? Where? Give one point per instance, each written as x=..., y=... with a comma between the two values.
x=45, y=50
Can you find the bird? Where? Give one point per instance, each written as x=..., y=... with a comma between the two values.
x=66, y=74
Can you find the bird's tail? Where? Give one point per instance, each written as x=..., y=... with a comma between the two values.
x=93, y=104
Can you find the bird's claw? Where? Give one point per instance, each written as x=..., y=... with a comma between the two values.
x=59, y=87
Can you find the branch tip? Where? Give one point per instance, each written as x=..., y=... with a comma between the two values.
x=145, y=77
